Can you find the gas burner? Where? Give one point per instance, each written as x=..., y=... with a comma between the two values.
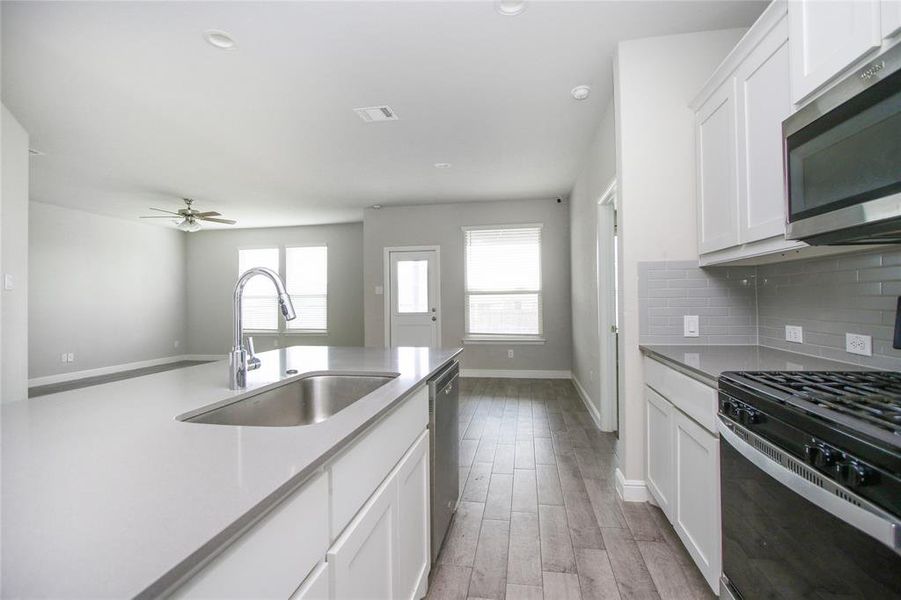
x=873, y=396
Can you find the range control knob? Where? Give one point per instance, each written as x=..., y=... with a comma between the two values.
x=819, y=455
x=853, y=474
x=749, y=416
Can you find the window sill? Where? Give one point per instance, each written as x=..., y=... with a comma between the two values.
x=525, y=340
x=272, y=332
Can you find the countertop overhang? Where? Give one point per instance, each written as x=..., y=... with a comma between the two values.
x=106, y=494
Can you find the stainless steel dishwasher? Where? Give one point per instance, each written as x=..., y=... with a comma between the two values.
x=444, y=449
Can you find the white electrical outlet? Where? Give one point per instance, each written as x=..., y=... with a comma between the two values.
x=70, y=357
x=8, y=283
x=175, y=344
x=856, y=343
x=510, y=353
x=794, y=334
x=691, y=326
x=63, y=357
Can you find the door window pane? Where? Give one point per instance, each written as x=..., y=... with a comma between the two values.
x=412, y=286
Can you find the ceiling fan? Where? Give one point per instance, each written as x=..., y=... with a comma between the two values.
x=189, y=218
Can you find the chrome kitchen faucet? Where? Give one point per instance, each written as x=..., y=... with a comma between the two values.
x=241, y=358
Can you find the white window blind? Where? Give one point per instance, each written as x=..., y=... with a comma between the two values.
x=260, y=305
x=306, y=278
x=503, y=281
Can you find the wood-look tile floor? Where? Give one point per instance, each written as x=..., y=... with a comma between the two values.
x=539, y=516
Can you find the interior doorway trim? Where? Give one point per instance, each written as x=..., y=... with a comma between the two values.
x=607, y=334
x=386, y=285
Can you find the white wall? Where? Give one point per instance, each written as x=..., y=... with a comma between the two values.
x=14, y=258
x=597, y=171
x=212, y=267
x=441, y=225
x=108, y=290
x=656, y=78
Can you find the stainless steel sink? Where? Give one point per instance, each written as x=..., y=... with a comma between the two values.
x=302, y=402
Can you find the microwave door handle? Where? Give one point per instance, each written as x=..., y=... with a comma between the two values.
x=881, y=528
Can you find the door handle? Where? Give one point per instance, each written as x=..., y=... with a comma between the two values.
x=434, y=318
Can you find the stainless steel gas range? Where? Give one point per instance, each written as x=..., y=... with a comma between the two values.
x=810, y=466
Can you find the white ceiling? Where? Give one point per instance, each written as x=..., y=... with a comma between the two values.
x=134, y=109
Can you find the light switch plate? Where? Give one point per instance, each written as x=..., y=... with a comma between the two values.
x=70, y=357
x=794, y=334
x=8, y=283
x=691, y=326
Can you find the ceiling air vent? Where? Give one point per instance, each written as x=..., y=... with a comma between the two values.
x=372, y=114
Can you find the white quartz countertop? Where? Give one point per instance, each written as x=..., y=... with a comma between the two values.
x=106, y=494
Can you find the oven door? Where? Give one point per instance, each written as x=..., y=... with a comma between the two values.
x=843, y=160
x=790, y=533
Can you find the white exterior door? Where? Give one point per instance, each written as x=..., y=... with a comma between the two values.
x=414, y=318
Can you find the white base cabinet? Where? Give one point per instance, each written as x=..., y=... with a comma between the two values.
x=383, y=553
x=683, y=474
x=372, y=499
x=697, y=495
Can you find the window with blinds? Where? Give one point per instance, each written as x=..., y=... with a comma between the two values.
x=503, y=281
x=260, y=304
x=306, y=279
x=305, y=274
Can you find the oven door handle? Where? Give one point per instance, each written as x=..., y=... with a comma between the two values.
x=876, y=526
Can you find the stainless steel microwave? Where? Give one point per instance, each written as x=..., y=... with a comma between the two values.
x=842, y=160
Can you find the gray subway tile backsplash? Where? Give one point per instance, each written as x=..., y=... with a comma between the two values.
x=828, y=297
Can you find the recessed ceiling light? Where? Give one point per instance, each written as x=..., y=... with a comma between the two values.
x=219, y=39
x=581, y=92
x=376, y=206
x=34, y=152
x=443, y=165
x=510, y=8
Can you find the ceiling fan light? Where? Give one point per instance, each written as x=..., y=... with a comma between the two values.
x=189, y=226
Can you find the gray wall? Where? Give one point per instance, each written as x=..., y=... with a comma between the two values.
x=598, y=170
x=111, y=291
x=440, y=225
x=14, y=258
x=828, y=297
x=724, y=300
x=212, y=267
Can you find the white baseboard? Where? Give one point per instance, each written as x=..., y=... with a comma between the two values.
x=586, y=400
x=630, y=490
x=516, y=373
x=74, y=375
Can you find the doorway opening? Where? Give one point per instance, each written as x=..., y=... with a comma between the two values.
x=412, y=296
x=608, y=307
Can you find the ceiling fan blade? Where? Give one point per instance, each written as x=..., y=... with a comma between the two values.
x=158, y=217
x=215, y=220
x=165, y=211
x=211, y=213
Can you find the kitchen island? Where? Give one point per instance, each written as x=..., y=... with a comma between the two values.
x=105, y=493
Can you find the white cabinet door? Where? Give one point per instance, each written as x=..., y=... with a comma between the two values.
x=697, y=495
x=661, y=465
x=717, y=161
x=764, y=101
x=413, y=547
x=891, y=17
x=363, y=559
x=826, y=36
x=317, y=586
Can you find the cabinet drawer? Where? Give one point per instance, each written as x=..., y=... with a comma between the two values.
x=275, y=556
x=690, y=396
x=362, y=467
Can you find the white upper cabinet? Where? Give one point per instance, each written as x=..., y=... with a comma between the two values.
x=826, y=36
x=764, y=102
x=891, y=17
x=716, y=157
